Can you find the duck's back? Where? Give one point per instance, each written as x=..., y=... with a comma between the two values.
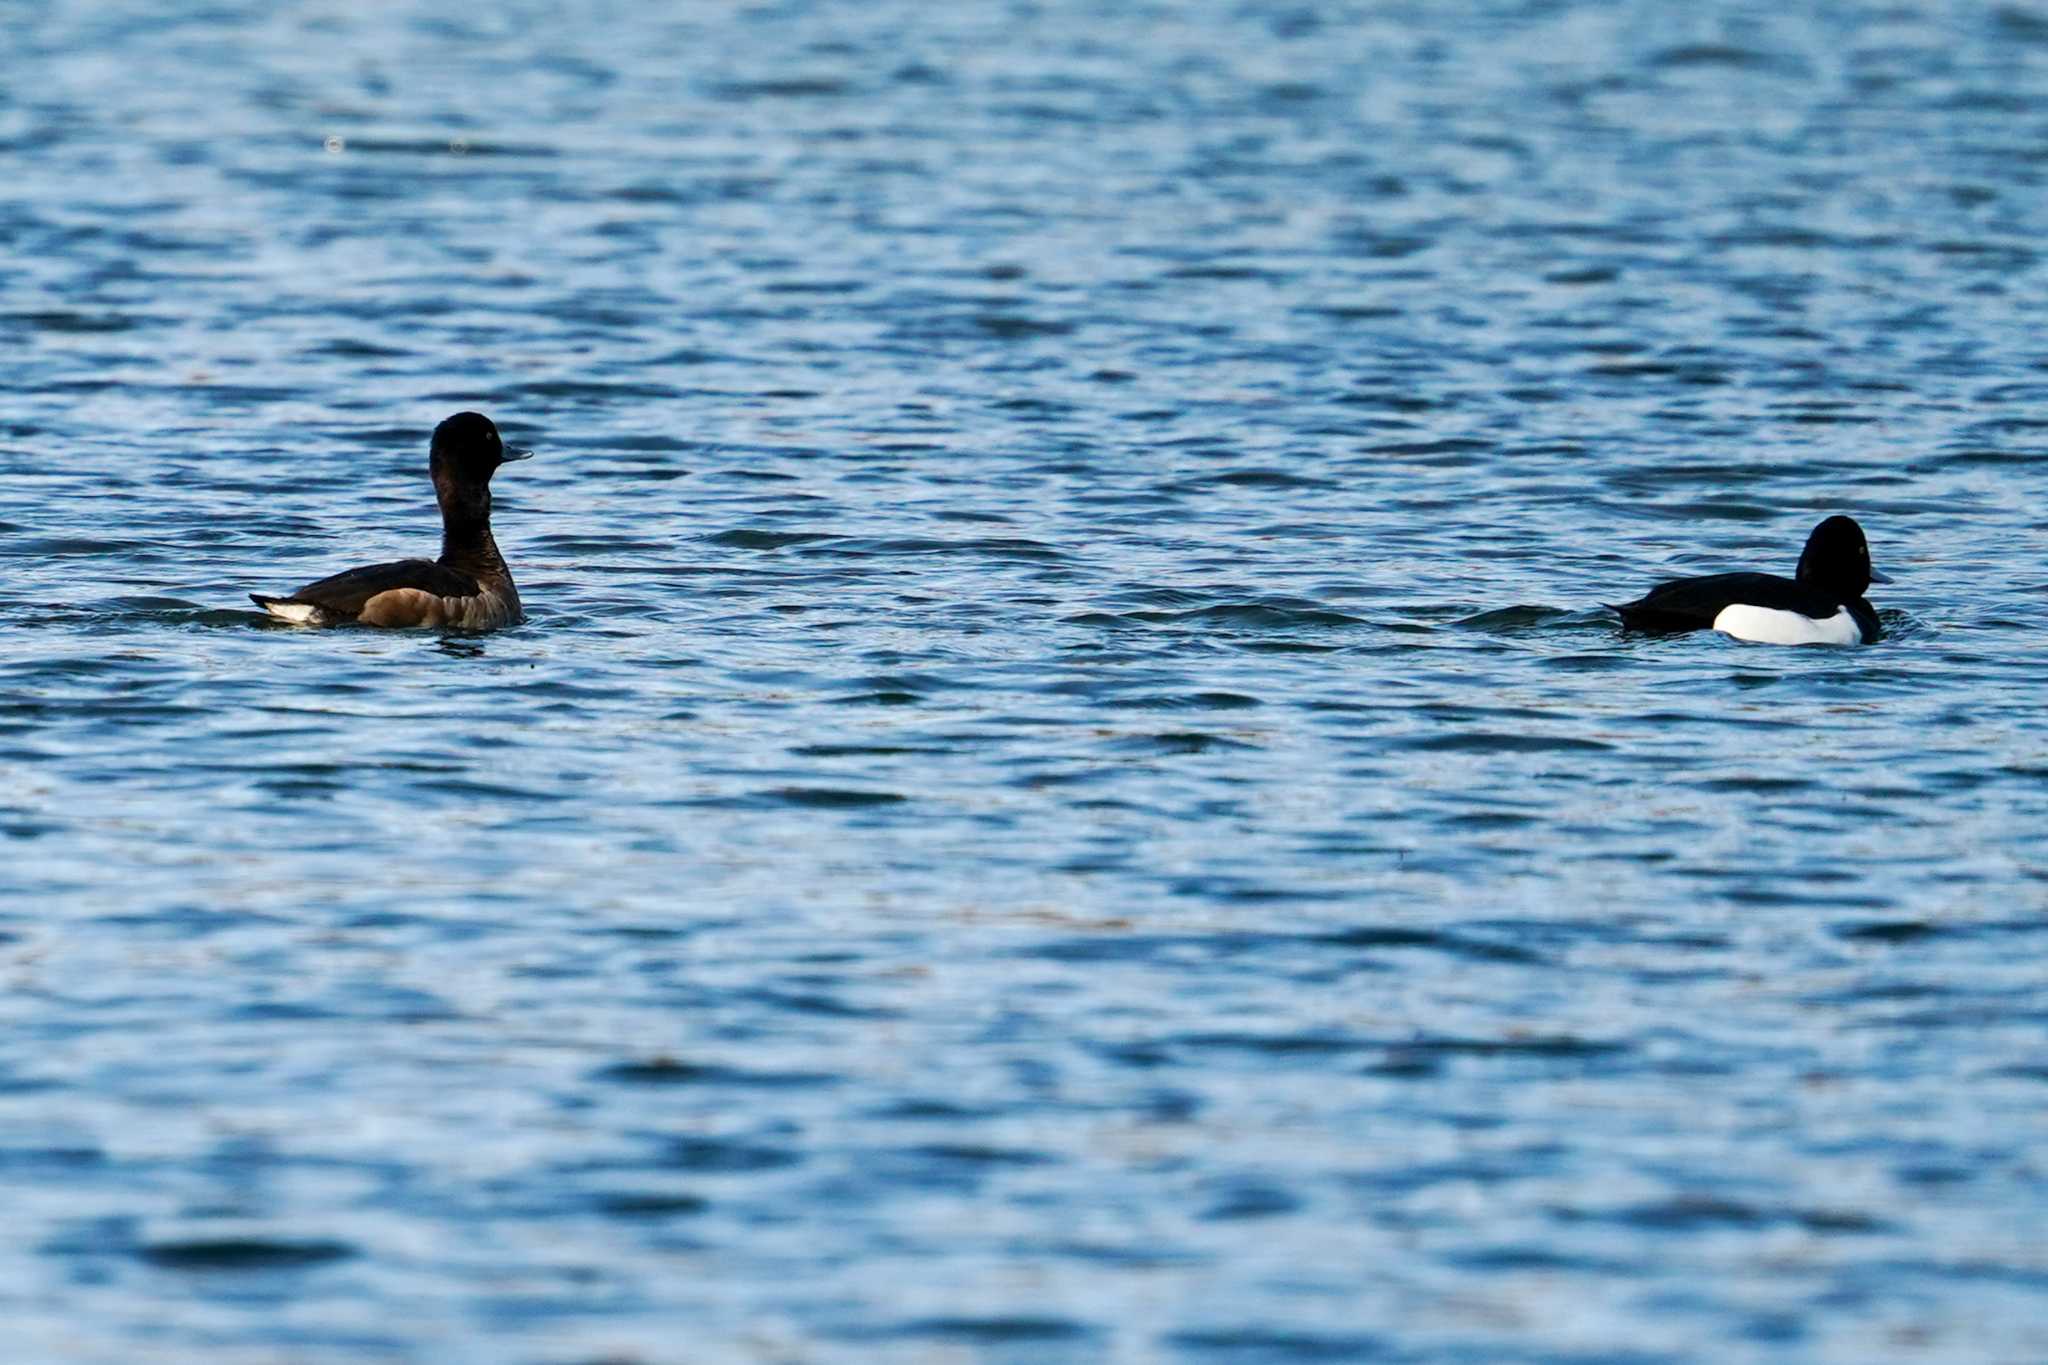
x=1759, y=607
x=1694, y=603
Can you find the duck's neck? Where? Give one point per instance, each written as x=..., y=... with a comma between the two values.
x=466, y=542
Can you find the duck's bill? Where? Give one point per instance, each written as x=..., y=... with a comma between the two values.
x=1877, y=577
x=514, y=453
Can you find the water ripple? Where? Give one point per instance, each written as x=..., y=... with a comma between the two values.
x=1066, y=792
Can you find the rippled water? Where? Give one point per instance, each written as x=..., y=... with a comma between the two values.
x=1065, y=795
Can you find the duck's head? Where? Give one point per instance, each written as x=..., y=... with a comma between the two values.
x=467, y=450
x=1837, y=559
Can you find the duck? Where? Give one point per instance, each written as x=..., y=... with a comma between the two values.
x=468, y=588
x=1821, y=604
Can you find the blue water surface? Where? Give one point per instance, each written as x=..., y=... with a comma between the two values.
x=1066, y=794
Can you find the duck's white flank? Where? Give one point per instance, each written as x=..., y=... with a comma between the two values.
x=1769, y=626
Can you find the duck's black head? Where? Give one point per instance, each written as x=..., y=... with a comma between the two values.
x=1837, y=560
x=467, y=450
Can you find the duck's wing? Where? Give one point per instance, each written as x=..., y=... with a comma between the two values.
x=1693, y=603
x=341, y=597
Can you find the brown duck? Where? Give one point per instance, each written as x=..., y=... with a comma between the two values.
x=467, y=588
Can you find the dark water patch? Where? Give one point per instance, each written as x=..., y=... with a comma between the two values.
x=75, y=323
x=783, y=88
x=1512, y=620
x=972, y=1154
x=930, y=1110
x=69, y=545
x=1143, y=947
x=1233, y=890
x=1017, y=327
x=1248, y=1200
x=1720, y=509
x=1560, y=1048
x=1225, y=272
x=1591, y=274
x=1179, y=742
x=247, y=1253
x=991, y=547
x=1482, y=742
x=984, y=1333
x=1536, y=1258
x=670, y=1072
x=471, y=789
x=1889, y=931
x=1265, y=1045
x=1245, y=1345
x=590, y=391
x=348, y=348
x=152, y=605
x=883, y=697
x=460, y=146
x=1199, y=701
x=748, y=539
x=818, y=1004
x=1158, y=948
x=832, y=798
x=817, y=287
x=1450, y=451
x=45, y=1158
x=649, y=1204
x=2020, y=24
x=1352, y=312
x=1708, y=1213
x=726, y=1156
x=1434, y=940
x=1271, y=615
x=1248, y=478
x=1757, y=784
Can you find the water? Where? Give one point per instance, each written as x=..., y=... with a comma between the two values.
x=1066, y=795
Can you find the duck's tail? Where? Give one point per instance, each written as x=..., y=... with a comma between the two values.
x=284, y=609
